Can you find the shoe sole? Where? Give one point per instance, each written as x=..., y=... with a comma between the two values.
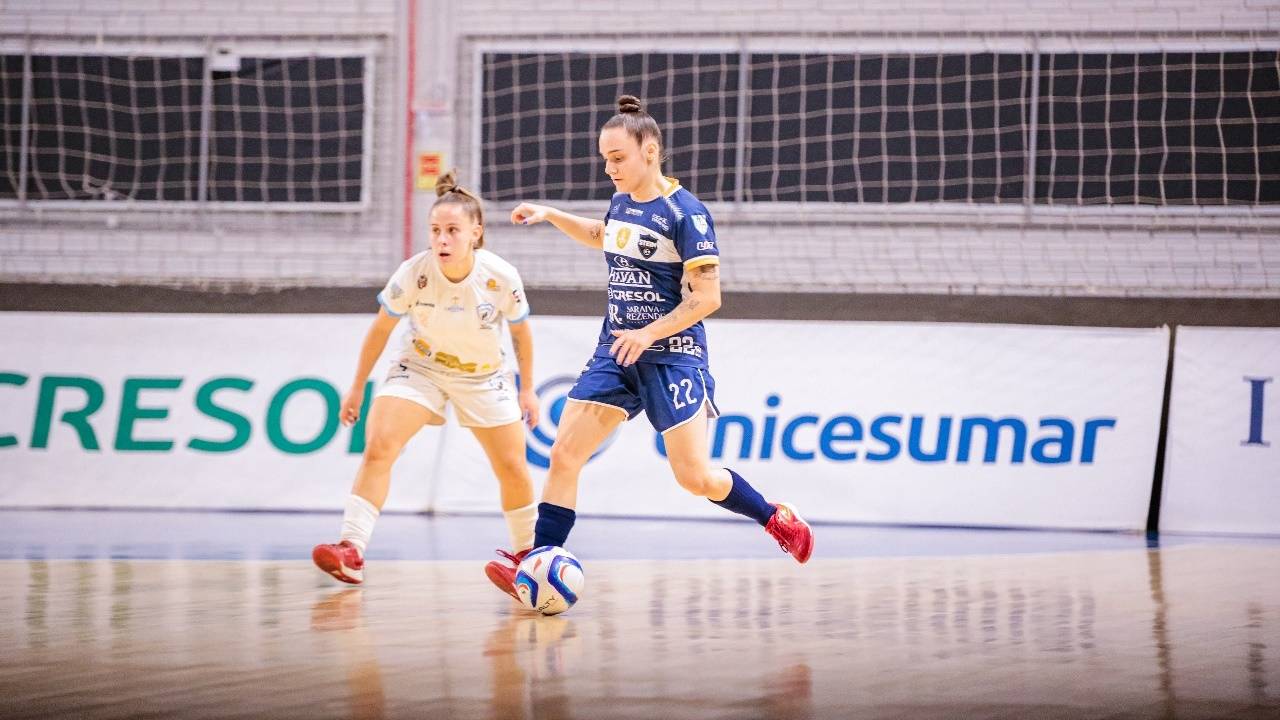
x=499, y=580
x=808, y=549
x=328, y=561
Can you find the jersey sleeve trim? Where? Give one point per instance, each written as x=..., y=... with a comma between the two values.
x=701, y=260
x=383, y=302
x=517, y=320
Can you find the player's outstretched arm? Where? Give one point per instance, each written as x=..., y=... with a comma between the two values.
x=585, y=230
x=374, y=342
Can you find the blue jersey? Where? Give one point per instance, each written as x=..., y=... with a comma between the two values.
x=648, y=247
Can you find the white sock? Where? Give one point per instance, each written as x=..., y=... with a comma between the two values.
x=520, y=524
x=357, y=521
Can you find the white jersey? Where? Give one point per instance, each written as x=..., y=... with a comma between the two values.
x=455, y=327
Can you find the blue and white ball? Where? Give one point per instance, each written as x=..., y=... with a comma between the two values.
x=549, y=580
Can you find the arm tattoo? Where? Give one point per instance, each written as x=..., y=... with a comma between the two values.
x=597, y=232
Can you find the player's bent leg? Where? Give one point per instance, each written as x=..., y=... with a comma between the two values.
x=392, y=422
x=687, y=452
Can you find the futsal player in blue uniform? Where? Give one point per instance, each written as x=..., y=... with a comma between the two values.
x=660, y=249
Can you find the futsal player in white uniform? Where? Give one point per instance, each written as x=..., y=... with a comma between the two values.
x=660, y=251
x=456, y=297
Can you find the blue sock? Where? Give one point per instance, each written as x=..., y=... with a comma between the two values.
x=554, y=524
x=744, y=500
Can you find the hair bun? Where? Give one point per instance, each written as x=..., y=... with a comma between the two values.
x=446, y=183
x=629, y=104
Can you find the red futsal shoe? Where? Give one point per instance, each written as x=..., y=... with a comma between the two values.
x=503, y=576
x=342, y=561
x=791, y=531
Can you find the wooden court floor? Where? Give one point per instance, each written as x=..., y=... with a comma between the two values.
x=1191, y=631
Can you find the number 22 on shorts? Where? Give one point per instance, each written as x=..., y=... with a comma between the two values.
x=687, y=385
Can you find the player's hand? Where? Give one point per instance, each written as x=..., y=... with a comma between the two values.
x=350, y=411
x=529, y=214
x=629, y=345
x=529, y=406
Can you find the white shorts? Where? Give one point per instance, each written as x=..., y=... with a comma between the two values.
x=479, y=401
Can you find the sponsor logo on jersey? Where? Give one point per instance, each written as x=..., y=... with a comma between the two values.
x=491, y=284
x=706, y=245
x=622, y=261
x=700, y=222
x=453, y=363
x=648, y=296
x=647, y=244
x=423, y=349
x=644, y=313
x=422, y=281
x=519, y=296
x=455, y=304
x=630, y=277
x=402, y=375
x=635, y=211
x=613, y=314
x=660, y=222
x=487, y=314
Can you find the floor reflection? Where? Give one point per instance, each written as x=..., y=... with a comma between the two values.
x=1161, y=632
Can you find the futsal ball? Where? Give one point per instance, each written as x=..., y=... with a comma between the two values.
x=549, y=580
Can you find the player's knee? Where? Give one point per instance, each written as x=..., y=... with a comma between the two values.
x=512, y=470
x=696, y=480
x=566, y=456
x=380, y=450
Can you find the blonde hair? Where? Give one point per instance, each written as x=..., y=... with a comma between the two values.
x=449, y=192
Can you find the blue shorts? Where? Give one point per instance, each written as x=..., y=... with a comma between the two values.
x=670, y=395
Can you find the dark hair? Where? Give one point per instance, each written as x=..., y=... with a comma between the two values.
x=638, y=123
x=449, y=192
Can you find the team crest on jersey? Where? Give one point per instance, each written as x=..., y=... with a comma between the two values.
x=648, y=245
x=700, y=222
x=422, y=281
x=487, y=314
x=396, y=291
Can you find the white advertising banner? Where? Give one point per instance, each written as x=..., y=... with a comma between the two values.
x=184, y=411
x=1222, y=460
x=865, y=422
x=886, y=423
